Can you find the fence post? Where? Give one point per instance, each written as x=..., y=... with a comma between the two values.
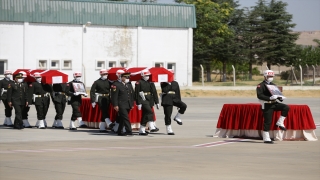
x=314, y=75
x=202, y=75
x=300, y=75
x=234, y=76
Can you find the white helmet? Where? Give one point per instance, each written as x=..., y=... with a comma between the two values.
x=103, y=71
x=119, y=72
x=145, y=72
x=24, y=74
x=7, y=72
x=77, y=74
x=268, y=73
x=36, y=75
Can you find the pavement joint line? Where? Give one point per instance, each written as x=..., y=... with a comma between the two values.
x=211, y=144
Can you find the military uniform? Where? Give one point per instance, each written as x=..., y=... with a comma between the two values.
x=151, y=96
x=75, y=102
x=59, y=99
x=122, y=95
x=101, y=88
x=269, y=105
x=171, y=97
x=25, y=112
x=39, y=93
x=18, y=95
x=3, y=97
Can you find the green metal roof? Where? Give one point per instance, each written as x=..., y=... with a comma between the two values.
x=98, y=12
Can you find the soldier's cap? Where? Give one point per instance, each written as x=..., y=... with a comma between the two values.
x=19, y=76
x=126, y=74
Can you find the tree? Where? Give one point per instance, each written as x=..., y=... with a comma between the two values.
x=278, y=39
x=211, y=30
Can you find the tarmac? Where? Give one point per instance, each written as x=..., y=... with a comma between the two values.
x=192, y=153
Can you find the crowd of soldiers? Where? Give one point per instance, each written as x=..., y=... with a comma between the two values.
x=19, y=95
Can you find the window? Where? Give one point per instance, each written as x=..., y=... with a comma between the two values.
x=171, y=66
x=3, y=66
x=158, y=64
x=55, y=64
x=112, y=64
x=67, y=64
x=100, y=64
x=123, y=64
x=42, y=64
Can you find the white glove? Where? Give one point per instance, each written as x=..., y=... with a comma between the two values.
x=273, y=97
x=169, y=83
x=76, y=93
x=93, y=104
x=139, y=106
x=85, y=95
x=157, y=106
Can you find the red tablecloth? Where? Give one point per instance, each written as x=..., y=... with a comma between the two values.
x=94, y=114
x=250, y=117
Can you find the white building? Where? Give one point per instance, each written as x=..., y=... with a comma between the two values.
x=88, y=36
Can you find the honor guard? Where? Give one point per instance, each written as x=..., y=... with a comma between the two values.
x=170, y=97
x=3, y=97
x=269, y=104
x=26, y=109
x=17, y=96
x=146, y=97
x=100, y=93
x=59, y=99
x=40, y=95
x=77, y=89
x=122, y=101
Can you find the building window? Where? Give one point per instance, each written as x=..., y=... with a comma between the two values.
x=100, y=64
x=123, y=64
x=112, y=64
x=42, y=64
x=3, y=66
x=171, y=66
x=157, y=64
x=55, y=64
x=67, y=64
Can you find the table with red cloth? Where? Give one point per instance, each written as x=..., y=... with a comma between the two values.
x=91, y=116
x=246, y=120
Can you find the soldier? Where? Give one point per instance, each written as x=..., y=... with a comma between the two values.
x=100, y=93
x=3, y=97
x=171, y=97
x=59, y=99
x=40, y=95
x=17, y=96
x=75, y=100
x=269, y=104
x=26, y=109
x=146, y=97
x=122, y=101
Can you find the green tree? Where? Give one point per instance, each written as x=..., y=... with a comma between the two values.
x=279, y=40
x=211, y=30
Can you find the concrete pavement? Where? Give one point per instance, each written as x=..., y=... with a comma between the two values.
x=88, y=154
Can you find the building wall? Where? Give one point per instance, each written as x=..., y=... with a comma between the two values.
x=94, y=47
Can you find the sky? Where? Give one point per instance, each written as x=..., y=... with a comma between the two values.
x=306, y=13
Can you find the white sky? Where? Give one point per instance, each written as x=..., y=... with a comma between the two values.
x=306, y=13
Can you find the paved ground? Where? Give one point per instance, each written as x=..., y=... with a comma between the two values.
x=87, y=154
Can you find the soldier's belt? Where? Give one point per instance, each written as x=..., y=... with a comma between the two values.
x=171, y=92
x=146, y=93
x=41, y=95
x=103, y=94
x=270, y=102
x=60, y=93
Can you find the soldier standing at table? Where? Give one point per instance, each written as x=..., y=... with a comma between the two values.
x=59, y=99
x=122, y=101
x=3, y=97
x=76, y=100
x=100, y=93
x=146, y=97
x=40, y=94
x=17, y=96
x=26, y=109
x=171, y=97
x=269, y=104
